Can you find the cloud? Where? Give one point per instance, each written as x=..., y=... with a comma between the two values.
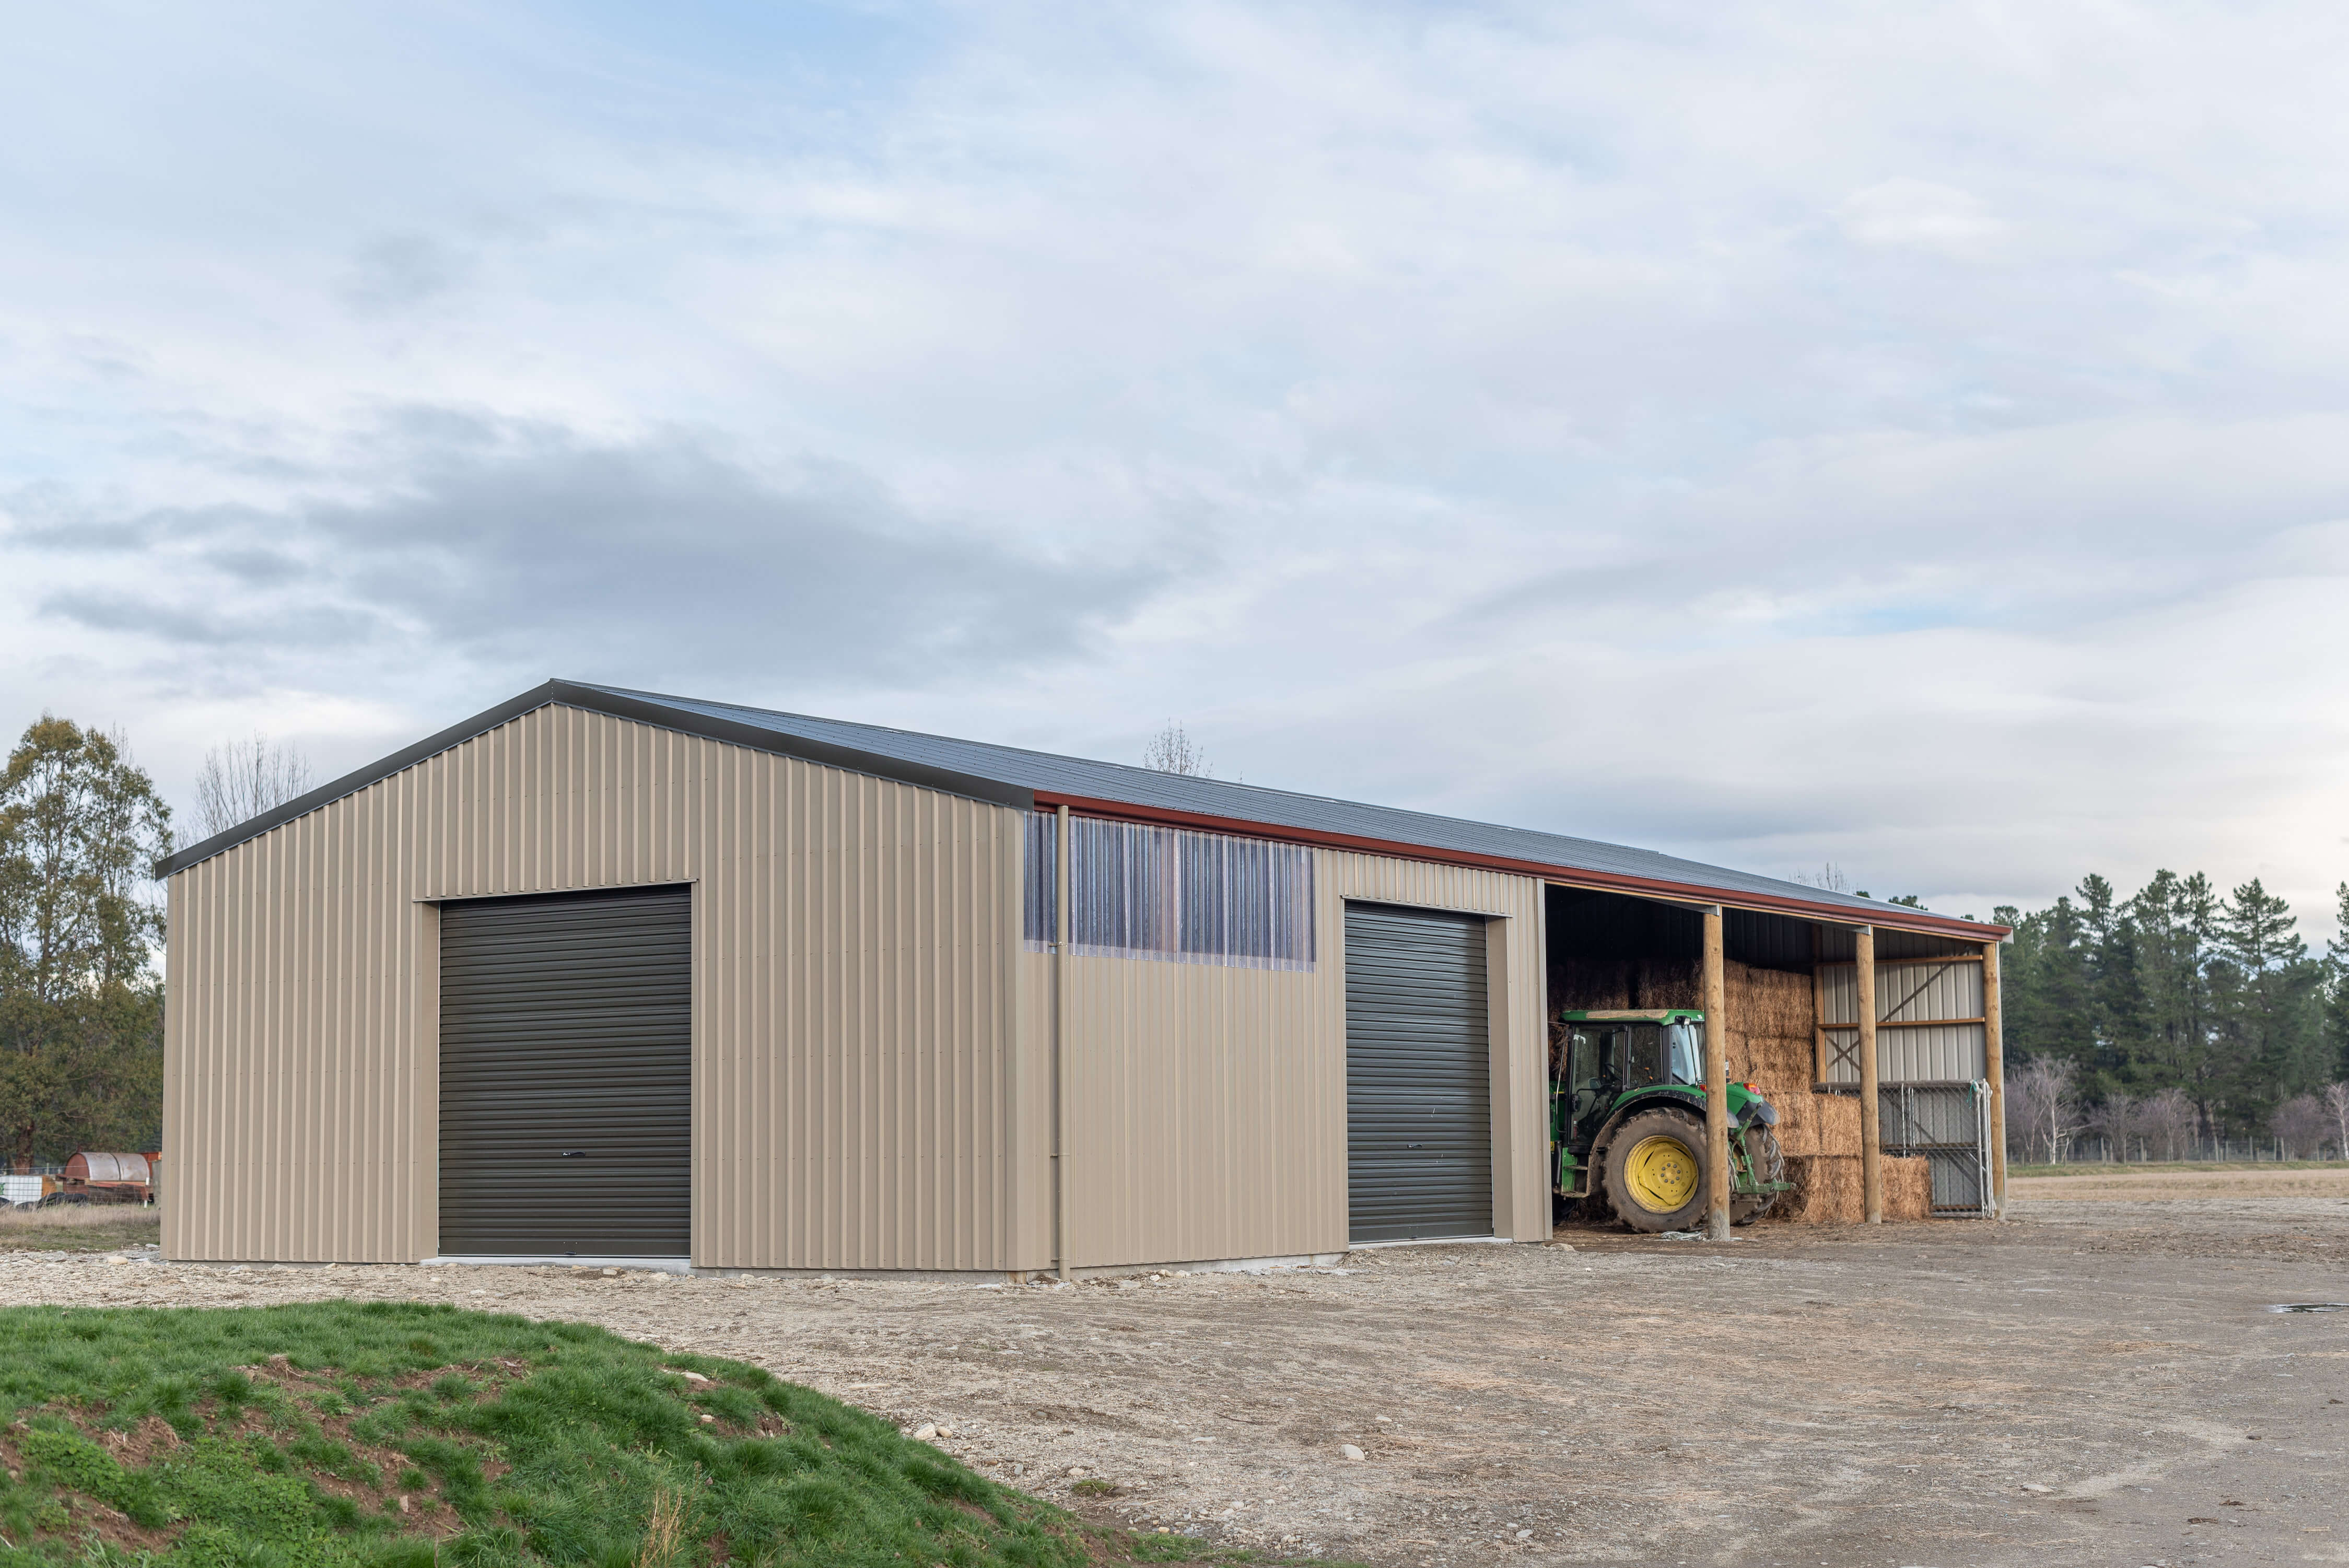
x=1920, y=215
x=399, y=271
x=1941, y=409
x=524, y=547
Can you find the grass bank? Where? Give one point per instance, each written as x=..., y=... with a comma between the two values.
x=397, y=1435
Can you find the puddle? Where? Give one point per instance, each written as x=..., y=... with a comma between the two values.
x=2310, y=1306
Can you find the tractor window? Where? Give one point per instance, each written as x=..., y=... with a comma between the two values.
x=1687, y=1053
x=1590, y=1070
x=1644, y=1063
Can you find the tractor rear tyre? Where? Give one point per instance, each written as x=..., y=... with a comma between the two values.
x=1655, y=1171
x=1768, y=1163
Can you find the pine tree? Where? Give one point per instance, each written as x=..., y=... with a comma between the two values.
x=2336, y=990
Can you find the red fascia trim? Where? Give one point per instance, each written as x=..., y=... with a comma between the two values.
x=1929, y=925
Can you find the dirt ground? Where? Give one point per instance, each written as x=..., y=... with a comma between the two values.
x=2099, y=1380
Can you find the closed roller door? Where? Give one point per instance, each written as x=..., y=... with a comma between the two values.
x=566, y=1075
x=1419, y=1120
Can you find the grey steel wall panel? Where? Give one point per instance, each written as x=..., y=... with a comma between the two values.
x=855, y=985
x=1208, y=1104
x=1419, y=1129
x=1911, y=992
x=566, y=1075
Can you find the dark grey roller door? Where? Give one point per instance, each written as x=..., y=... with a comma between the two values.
x=566, y=1074
x=1419, y=1120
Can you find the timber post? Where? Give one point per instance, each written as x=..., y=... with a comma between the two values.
x=1995, y=1070
x=1871, y=1110
x=1716, y=1080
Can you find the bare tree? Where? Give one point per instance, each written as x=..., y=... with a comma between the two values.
x=2116, y=1121
x=240, y=780
x=1829, y=878
x=2300, y=1125
x=1172, y=750
x=2040, y=1106
x=2169, y=1121
x=2336, y=1105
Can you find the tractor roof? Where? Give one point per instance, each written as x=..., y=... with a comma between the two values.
x=1635, y=1015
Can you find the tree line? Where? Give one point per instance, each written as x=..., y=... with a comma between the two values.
x=82, y=930
x=2174, y=1019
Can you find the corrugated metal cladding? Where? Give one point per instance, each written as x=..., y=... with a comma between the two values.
x=1418, y=1061
x=566, y=1075
x=1910, y=993
x=1208, y=1104
x=856, y=949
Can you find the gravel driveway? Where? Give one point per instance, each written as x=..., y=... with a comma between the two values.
x=2079, y=1386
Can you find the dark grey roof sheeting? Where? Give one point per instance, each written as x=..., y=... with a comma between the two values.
x=1142, y=786
x=1011, y=776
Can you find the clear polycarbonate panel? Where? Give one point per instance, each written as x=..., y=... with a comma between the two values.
x=1141, y=891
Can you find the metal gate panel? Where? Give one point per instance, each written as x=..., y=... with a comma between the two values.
x=1419, y=1120
x=566, y=1075
x=1948, y=1125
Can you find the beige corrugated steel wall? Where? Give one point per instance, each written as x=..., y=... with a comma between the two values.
x=1923, y=990
x=856, y=944
x=1208, y=1103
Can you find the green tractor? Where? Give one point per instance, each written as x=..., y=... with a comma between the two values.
x=1627, y=1122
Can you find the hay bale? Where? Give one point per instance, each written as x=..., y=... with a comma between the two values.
x=1908, y=1187
x=1826, y=1191
x=1798, y=1120
x=1838, y=1123
x=1770, y=1002
x=1830, y=1191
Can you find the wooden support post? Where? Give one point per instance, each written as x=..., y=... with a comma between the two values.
x=1871, y=1112
x=1061, y=977
x=1995, y=1070
x=1716, y=1080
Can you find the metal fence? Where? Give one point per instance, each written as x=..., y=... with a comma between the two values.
x=1948, y=1125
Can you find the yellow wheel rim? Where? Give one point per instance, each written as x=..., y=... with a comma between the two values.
x=1662, y=1173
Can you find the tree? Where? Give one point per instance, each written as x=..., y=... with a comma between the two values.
x=240, y=780
x=2041, y=1108
x=1172, y=750
x=2267, y=990
x=80, y=1005
x=2168, y=1122
x=2336, y=990
x=2299, y=1124
x=2335, y=1100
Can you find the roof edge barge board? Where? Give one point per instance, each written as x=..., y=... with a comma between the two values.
x=1894, y=917
x=567, y=695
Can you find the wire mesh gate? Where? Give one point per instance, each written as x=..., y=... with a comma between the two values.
x=1948, y=1125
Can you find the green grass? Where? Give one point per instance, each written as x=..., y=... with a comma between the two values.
x=286, y=1437
x=2172, y=1167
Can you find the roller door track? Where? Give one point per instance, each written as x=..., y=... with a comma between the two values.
x=566, y=1075
x=1419, y=1120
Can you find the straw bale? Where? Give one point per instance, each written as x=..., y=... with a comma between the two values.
x=1607, y=983
x=1908, y=1187
x=1826, y=1191
x=1838, y=1123
x=1830, y=1191
x=1769, y=1001
x=1798, y=1117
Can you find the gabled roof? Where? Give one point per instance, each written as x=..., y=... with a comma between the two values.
x=1011, y=776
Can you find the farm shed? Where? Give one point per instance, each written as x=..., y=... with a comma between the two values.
x=600, y=973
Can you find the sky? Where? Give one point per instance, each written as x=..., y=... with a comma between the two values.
x=1914, y=439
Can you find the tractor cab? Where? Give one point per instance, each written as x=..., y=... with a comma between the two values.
x=1627, y=1120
